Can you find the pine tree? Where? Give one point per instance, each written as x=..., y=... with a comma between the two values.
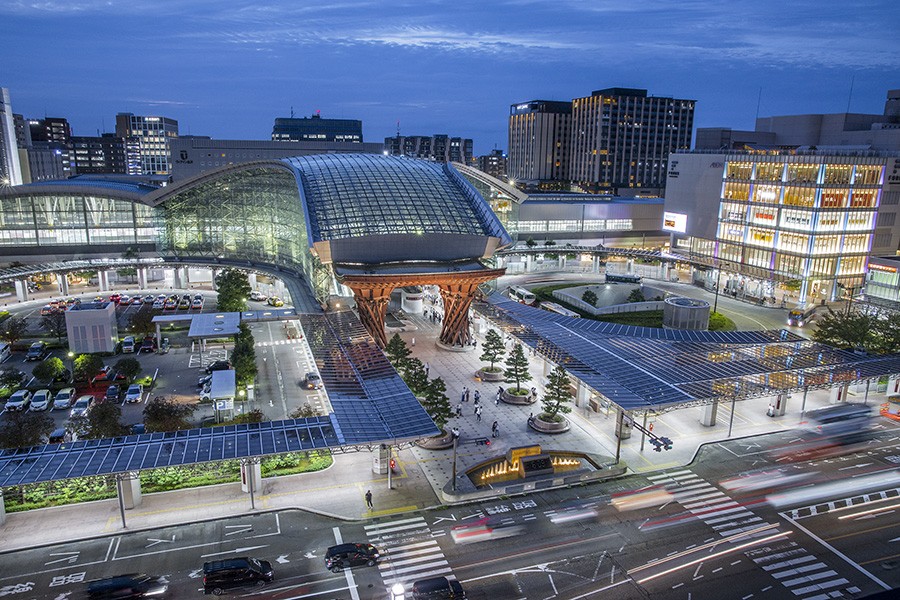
x=517, y=368
x=414, y=375
x=436, y=403
x=397, y=351
x=557, y=395
x=493, y=347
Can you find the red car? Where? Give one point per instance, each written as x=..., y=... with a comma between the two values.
x=115, y=298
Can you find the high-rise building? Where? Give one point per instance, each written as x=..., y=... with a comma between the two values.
x=10, y=167
x=494, y=164
x=52, y=136
x=103, y=154
x=617, y=140
x=23, y=131
x=316, y=129
x=539, y=144
x=153, y=135
x=45, y=161
x=862, y=131
x=438, y=147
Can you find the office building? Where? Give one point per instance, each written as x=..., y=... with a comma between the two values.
x=101, y=154
x=539, y=133
x=316, y=129
x=494, y=164
x=438, y=147
x=822, y=131
x=765, y=220
x=45, y=161
x=10, y=167
x=153, y=136
x=193, y=155
x=23, y=131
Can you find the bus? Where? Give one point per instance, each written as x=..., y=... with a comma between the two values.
x=623, y=278
x=522, y=295
x=799, y=317
x=560, y=310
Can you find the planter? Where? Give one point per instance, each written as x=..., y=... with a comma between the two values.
x=509, y=398
x=542, y=426
x=442, y=441
x=486, y=375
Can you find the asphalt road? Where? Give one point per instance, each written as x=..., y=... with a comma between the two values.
x=704, y=538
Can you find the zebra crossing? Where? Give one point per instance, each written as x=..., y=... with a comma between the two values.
x=278, y=343
x=823, y=507
x=409, y=551
x=791, y=565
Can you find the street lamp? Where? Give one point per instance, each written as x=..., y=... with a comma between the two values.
x=71, y=356
x=397, y=591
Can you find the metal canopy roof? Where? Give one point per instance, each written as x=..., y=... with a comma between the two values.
x=371, y=405
x=640, y=367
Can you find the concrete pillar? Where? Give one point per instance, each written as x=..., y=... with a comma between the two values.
x=213, y=274
x=142, y=277
x=777, y=405
x=178, y=278
x=63, y=283
x=251, y=277
x=623, y=425
x=279, y=288
x=595, y=264
x=103, y=280
x=548, y=366
x=22, y=290
x=709, y=414
x=892, y=388
x=251, y=470
x=839, y=393
x=2, y=508
x=561, y=262
x=381, y=459
x=131, y=491
x=582, y=395
x=529, y=262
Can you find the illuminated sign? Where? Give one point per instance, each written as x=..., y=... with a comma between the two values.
x=676, y=222
x=884, y=268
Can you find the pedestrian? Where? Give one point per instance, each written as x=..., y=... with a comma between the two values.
x=427, y=368
x=497, y=400
x=477, y=396
x=475, y=343
x=495, y=429
x=459, y=409
x=478, y=413
x=534, y=393
x=369, y=499
x=413, y=342
x=467, y=394
x=500, y=390
x=463, y=397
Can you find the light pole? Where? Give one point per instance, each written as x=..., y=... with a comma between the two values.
x=455, y=433
x=71, y=356
x=718, y=282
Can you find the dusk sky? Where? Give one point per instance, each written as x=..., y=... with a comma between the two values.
x=226, y=69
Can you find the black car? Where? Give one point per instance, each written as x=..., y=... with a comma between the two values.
x=221, y=575
x=134, y=585
x=112, y=394
x=148, y=345
x=37, y=351
x=219, y=365
x=343, y=556
x=437, y=588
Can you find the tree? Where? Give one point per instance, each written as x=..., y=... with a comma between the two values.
x=243, y=357
x=11, y=378
x=251, y=416
x=636, y=295
x=557, y=394
x=549, y=243
x=590, y=297
x=55, y=324
x=887, y=334
x=845, y=331
x=13, y=329
x=397, y=351
x=162, y=414
x=494, y=348
x=49, y=370
x=517, y=368
x=436, y=403
x=234, y=289
x=414, y=376
x=87, y=366
x=128, y=254
x=24, y=428
x=141, y=322
x=129, y=367
x=304, y=412
x=102, y=421
x=530, y=242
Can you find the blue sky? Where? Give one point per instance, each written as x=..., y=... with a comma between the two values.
x=226, y=69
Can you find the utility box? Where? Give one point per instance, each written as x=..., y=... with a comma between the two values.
x=92, y=327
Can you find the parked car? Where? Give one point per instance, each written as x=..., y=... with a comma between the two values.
x=137, y=300
x=275, y=301
x=219, y=365
x=197, y=304
x=258, y=296
x=115, y=298
x=221, y=575
x=64, y=399
x=128, y=345
x=137, y=428
x=198, y=296
x=58, y=436
x=133, y=585
x=81, y=406
x=165, y=346
x=107, y=374
x=158, y=304
x=149, y=344
x=124, y=300
x=204, y=381
x=112, y=394
x=312, y=381
x=149, y=299
x=171, y=304
x=184, y=303
x=37, y=351
x=19, y=400
x=47, y=310
x=347, y=556
x=135, y=393
x=41, y=401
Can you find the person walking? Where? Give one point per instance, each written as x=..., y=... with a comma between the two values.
x=495, y=429
x=459, y=409
x=477, y=396
x=478, y=413
x=369, y=499
x=467, y=394
x=534, y=393
x=413, y=342
x=497, y=400
x=427, y=369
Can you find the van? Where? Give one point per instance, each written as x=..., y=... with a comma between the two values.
x=128, y=345
x=437, y=588
x=5, y=351
x=221, y=575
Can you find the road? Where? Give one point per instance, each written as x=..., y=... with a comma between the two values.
x=706, y=538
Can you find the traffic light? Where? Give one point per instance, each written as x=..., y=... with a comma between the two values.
x=667, y=443
x=393, y=465
x=657, y=445
x=483, y=442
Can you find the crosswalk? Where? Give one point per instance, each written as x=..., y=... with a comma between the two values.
x=294, y=341
x=823, y=507
x=409, y=550
x=788, y=563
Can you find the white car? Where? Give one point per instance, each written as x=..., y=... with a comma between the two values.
x=135, y=393
x=128, y=345
x=40, y=401
x=82, y=406
x=19, y=400
x=258, y=296
x=64, y=399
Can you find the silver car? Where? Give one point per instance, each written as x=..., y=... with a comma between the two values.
x=64, y=399
x=19, y=400
x=82, y=406
x=41, y=401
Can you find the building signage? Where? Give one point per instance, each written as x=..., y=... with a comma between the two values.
x=884, y=268
x=676, y=222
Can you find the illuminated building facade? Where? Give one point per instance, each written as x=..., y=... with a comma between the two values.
x=153, y=135
x=769, y=217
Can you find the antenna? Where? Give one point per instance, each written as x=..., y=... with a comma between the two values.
x=398, y=128
x=850, y=95
x=292, y=112
x=758, y=102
